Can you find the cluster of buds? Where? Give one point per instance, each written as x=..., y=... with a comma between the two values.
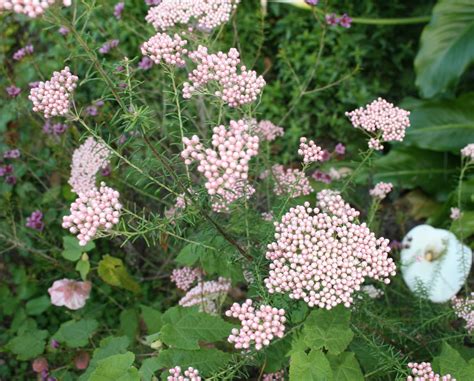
x=94, y=210
x=289, y=181
x=52, y=97
x=190, y=374
x=207, y=14
x=424, y=372
x=226, y=166
x=35, y=221
x=468, y=152
x=382, y=120
x=464, y=309
x=381, y=190
x=221, y=68
x=323, y=256
x=259, y=326
x=30, y=8
x=162, y=47
x=266, y=130
x=206, y=295
x=185, y=277
x=310, y=152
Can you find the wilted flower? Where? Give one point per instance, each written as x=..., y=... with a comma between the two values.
x=69, y=293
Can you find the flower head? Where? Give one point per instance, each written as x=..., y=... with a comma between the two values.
x=345, y=21
x=70, y=293
x=321, y=255
x=185, y=277
x=206, y=295
x=468, y=152
x=21, y=53
x=118, y=9
x=108, y=46
x=464, y=309
x=52, y=97
x=162, y=47
x=12, y=154
x=190, y=374
x=290, y=181
x=424, y=372
x=30, y=8
x=340, y=149
x=266, y=130
x=13, y=91
x=259, y=326
x=455, y=213
x=146, y=63
x=381, y=190
x=310, y=151
x=35, y=221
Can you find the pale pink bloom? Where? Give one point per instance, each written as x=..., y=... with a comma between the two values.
x=268, y=216
x=464, y=309
x=221, y=70
x=226, y=165
x=310, y=151
x=424, y=372
x=266, y=130
x=259, y=326
x=30, y=8
x=322, y=255
x=52, y=98
x=190, y=374
x=70, y=293
x=289, y=181
x=185, y=277
x=40, y=365
x=162, y=47
x=206, y=295
x=381, y=190
x=468, y=152
x=276, y=376
x=207, y=14
x=455, y=213
x=382, y=120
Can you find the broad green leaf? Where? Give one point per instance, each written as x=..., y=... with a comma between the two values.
x=208, y=361
x=447, y=47
x=83, y=267
x=451, y=362
x=328, y=329
x=412, y=167
x=28, y=344
x=442, y=125
x=38, y=305
x=76, y=333
x=116, y=368
x=463, y=227
x=72, y=250
x=192, y=327
x=129, y=323
x=112, y=271
x=149, y=367
x=310, y=367
x=109, y=346
x=153, y=319
x=345, y=367
x=277, y=355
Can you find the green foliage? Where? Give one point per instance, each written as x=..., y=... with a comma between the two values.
x=112, y=271
x=451, y=362
x=328, y=329
x=313, y=366
x=28, y=344
x=188, y=327
x=72, y=250
x=345, y=367
x=116, y=368
x=76, y=333
x=447, y=47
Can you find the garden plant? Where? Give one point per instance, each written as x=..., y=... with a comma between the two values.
x=236, y=190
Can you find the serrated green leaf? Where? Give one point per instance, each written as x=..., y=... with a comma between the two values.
x=310, y=367
x=153, y=319
x=345, y=367
x=148, y=368
x=109, y=346
x=83, y=267
x=72, y=250
x=192, y=327
x=451, y=362
x=208, y=361
x=28, y=344
x=76, y=333
x=38, y=305
x=116, y=368
x=277, y=355
x=112, y=271
x=446, y=47
x=129, y=323
x=328, y=329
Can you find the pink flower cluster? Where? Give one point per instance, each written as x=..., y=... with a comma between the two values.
x=276, y=376
x=226, y=166
x=70, y=293
x=163, y=47
x=382, y=119
x=52, y=97
x=323, y=256
x=381, y=190
x=190, y=374
x=310, y=151
x=87, y=160
x=345, y=21
x=259, y=326
x=468, y=152
x=97, y=209
x=208, y=14
x=21, y=53
x=289, y=181
x=234, y=89
x=30, y=8
x=424, y=372
x=185, y=277
x=464, y=309
x=206, y=295
x=266, y=130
